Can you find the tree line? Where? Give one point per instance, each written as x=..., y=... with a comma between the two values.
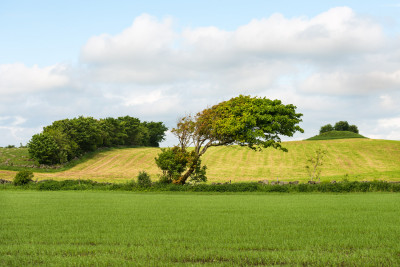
x=67, y=139
x=339, y=126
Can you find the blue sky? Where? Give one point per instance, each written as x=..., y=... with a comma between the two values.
x=157, y=60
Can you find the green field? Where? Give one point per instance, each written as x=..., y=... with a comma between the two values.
x=114, y=229
x=357, y=159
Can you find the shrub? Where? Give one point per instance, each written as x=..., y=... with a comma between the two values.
x=49, y=185
x=172, y=162
x=326, y=128
x=143, y=179
x=23, y=177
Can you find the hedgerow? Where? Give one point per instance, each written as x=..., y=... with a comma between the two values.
x=324, y=187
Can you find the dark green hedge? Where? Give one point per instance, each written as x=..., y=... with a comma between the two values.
x=341, y=187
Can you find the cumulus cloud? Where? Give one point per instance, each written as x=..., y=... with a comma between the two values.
x=337, y=30
x=387, y=128
x=144, y=39
x=352, y=83
x=17, y=78
x=151, y=51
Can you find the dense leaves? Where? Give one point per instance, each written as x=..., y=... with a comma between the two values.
x=23, y=177
x=339, y=126
x=243, y=120
x=66, y=139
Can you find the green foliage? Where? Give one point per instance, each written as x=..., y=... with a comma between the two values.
x=199, y=174
x=23, y=177
x=243, y=120
x=143, y=179
x=336, y=135
x=314, y=162
x=44, y=149
x=339, y=126
x=174, y=161
x=144, y=183
x=342, y=126
x=249, y=121
x=326, y=128
x=353, y=128
x=67, y=139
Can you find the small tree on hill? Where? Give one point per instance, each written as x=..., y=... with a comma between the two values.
x=353, y=128
x=326, y=128
x=314, y=163
x=342, y=126
x=243, y=120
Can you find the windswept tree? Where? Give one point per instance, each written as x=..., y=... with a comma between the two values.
x=246, y=121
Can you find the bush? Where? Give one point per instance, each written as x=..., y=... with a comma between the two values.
x=143, y=179
x=23, y=177
x=172, y=162
x=326, y=128
x=49, y=185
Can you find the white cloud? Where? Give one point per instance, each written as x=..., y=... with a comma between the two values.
x=146, y=37
x=335, y=66
x=387, y=128
x=17, y=78
x=337, y=30
x=150, y=51
x=343, y=83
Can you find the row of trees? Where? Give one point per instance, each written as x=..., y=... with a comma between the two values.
x=66, y=139
x=243, y=120
x=339, y=126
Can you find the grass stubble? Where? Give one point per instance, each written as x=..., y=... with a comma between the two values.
x=163, y=229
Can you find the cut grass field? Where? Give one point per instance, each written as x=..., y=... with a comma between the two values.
x=355, y=159
x=120, y=229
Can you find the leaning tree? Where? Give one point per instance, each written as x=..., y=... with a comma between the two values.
x=247, y=121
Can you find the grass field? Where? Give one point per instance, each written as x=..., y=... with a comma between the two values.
x=360, y=159
x=114, y=229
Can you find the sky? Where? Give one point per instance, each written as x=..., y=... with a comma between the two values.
x=160, y=60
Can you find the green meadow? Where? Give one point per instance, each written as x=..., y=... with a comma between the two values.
x=181, y=229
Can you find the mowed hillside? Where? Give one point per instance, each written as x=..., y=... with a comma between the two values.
x=356, y=159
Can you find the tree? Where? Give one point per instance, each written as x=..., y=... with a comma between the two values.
x=156, y=132
x=172, y=162
x=342, y=126
x=353, y=128
x=70, y=138
x=326, y=128
x=314, y=163
x=44, y=149
x=247, y=121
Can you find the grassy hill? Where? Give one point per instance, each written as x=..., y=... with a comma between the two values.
x=336, y=135
x=359, y=159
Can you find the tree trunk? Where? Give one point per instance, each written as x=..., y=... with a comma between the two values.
x=185, y=176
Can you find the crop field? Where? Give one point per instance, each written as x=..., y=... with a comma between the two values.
x=357, y=159
x=114, y=228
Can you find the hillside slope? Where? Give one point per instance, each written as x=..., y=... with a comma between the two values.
x=360, y=159
x=336, y=135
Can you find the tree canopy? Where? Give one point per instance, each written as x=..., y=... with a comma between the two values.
x=66, y=139
x=339, y=126
x=247, y=121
